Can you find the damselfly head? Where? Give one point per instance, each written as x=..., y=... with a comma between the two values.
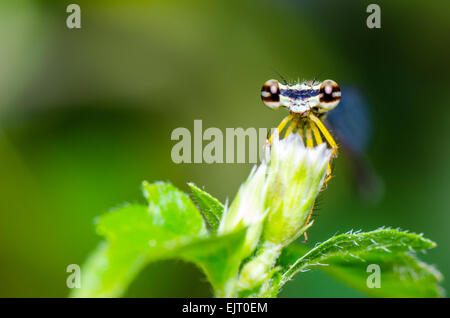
x=270, y=94
x=302, y=98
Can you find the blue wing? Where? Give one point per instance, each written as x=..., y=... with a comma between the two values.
x=350, y=120
x=351, y=124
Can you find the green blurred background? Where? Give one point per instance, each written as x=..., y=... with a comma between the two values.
x=86, y=115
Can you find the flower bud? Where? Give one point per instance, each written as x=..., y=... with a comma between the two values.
x=247, y=209
x=295, y=176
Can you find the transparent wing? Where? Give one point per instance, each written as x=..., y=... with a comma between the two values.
x=351, y=120
x=352, y=126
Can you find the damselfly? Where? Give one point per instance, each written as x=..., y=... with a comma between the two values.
x=308, y=104
x=313, y=111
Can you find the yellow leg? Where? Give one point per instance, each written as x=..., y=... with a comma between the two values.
x=281, y=126
x=308, y=219
x=301, y=132
x=306, y=237
x=309, y=139
x=291, y=128
x=327, y=177
x=326, y=134
x=319, y=140
x=316, y=132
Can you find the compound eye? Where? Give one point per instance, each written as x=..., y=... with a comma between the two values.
x=270, y=94
x=329, y=95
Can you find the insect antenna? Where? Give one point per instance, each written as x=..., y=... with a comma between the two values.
x=316, y=78
x=281, y=76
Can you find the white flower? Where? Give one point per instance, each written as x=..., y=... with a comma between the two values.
x=295, y=176
x=247, y=209
x=274, y=203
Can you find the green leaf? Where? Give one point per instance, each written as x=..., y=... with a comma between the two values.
x=211, y=208
x=173, y=209
x=219, y=257
x=136, y=235
x=347, y=256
